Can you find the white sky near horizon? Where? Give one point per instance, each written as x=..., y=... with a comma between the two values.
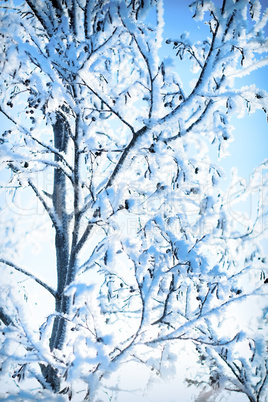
x=250, y=148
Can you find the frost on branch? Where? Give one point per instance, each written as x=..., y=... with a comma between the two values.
x=111, y=156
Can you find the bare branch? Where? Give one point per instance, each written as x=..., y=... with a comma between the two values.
x=170, y=291
x=50, y=212
x=195, y=123
x=124, y=155
x=57, y=6
x=5, y=318
x=264, y=382
x=200, y=82
x=44, y=285
x=83, y=238
x=40, y=16
x=180, y=332
x=56, y=166
x=109, y=107
x=26, y=132
x=132, y=34
x=87, y=16
x=241, y=383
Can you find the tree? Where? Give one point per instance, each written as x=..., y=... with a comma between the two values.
x=147, y=258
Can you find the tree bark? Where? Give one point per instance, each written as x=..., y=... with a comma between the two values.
x=62, y=302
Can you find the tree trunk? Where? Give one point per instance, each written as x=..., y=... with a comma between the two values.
x=62, y=302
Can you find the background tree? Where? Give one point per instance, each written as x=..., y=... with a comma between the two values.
x=91, y=104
